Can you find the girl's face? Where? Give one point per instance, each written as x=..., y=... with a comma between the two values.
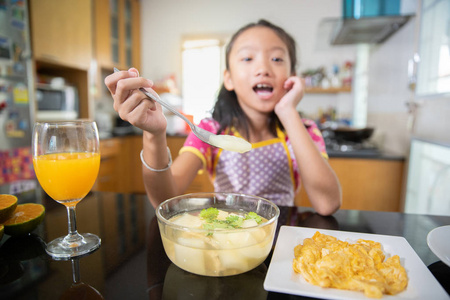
x=259, y=64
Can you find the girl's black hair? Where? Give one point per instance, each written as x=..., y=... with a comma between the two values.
x=227, y=110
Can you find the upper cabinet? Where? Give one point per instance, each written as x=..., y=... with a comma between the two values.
x=117, y=33
x=433, y=72
x=83, y=40
x=62, y=32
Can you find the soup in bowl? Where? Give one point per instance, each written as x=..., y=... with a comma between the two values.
x=217, y=234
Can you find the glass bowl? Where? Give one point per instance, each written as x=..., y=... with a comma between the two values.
x=218, y=252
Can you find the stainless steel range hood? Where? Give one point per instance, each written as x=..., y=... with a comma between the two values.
x=368, y=30
x=367, y=21
x=371, y=30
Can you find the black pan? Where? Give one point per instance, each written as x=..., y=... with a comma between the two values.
x=352, y=134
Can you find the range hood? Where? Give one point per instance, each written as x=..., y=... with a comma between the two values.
x=367, y=30
x=366, y=21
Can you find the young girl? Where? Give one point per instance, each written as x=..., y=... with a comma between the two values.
x=257, y=102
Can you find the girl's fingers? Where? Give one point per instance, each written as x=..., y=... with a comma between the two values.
x=112, y=80
x=288, y=84
x=127, y=80
x=291, y=81
x=148, y=116
x=124, y=108
x=134, y=70
x=140, y=114
x=296, y=84
x=125, y=88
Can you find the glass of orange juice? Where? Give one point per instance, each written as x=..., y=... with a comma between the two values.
x=66, y=159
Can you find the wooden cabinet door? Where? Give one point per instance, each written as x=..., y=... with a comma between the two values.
x=117, y=33
x=136, y=36
x=113, y=166
x=367, y=184
x=201, y=183
x=62, y=32
x=103, y=33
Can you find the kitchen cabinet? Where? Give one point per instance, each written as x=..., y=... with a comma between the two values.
x=73, y=76
x=367, y=184
x=61, y=32
x=117, y=40
x=200, y=184
x=117, y=33
x=62, y=44
x=83, y=40
x=121, y=166
x=113, y=166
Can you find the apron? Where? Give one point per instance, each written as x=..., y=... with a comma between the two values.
x=265, y=171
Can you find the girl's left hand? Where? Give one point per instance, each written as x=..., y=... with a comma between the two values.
x=295, y=90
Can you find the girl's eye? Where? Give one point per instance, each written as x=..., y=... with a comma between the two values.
x=277, y=59
x=246, y=59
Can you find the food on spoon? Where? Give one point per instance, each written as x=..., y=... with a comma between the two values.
x=230, y=143
x=233, y=241
x=325, y=261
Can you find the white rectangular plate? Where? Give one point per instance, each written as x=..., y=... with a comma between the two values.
x=281, y=277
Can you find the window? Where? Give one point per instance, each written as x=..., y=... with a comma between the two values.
x=202, y=70
x=433, y=74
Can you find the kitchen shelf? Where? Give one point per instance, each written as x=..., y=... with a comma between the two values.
x=319, y=90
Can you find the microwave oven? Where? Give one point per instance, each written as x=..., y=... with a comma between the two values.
x=56, y=103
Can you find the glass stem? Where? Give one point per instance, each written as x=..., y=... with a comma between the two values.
x=73, y=236
x=76, y=270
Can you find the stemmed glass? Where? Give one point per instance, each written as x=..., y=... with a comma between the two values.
x=79, y=289
x=66, y=160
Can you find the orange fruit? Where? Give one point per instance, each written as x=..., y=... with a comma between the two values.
x=8, y=204
x=25, y=219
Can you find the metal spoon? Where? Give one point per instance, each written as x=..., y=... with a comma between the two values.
x=226, y=142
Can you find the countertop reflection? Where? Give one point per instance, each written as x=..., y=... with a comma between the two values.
x=131, y=262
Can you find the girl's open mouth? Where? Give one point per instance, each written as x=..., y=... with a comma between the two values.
x=263, y=89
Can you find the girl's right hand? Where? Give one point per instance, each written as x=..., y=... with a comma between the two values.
x=132, y=105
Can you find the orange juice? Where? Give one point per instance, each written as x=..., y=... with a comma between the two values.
x=67, y=177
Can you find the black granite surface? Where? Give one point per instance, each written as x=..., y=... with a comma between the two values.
x=365, y=154
x=26, y=272
x=359, y=154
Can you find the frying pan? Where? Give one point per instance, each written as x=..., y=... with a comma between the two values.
x=352, y=134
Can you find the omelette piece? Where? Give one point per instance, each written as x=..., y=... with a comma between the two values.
x=325, y=261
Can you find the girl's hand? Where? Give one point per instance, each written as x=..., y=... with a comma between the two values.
x=294, y=86
x=132, y=105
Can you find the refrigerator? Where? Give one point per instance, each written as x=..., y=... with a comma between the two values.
x=16, y=99
x=427, y=188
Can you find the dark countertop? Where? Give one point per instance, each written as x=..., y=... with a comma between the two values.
x=106, y=136
x=365, y=154
x=359, y=154
x=131, y=262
